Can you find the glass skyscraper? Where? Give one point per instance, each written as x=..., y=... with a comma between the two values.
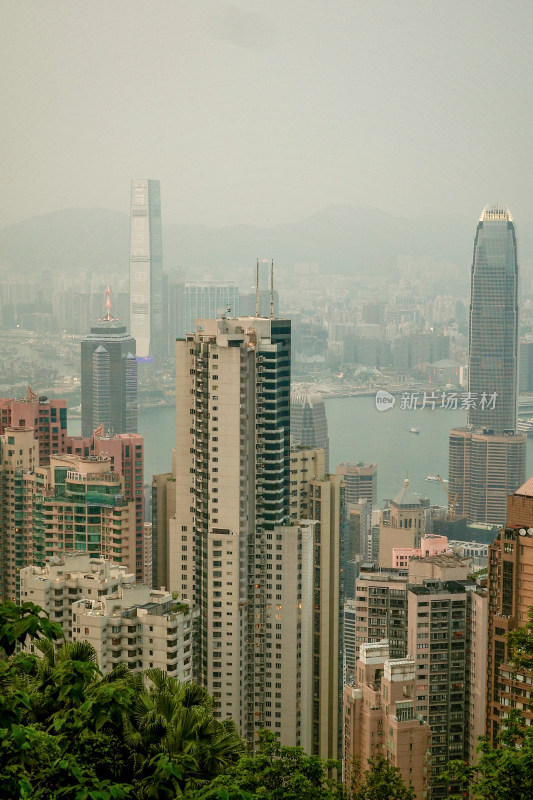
x=146, y=269
x=487, y=458
x=108, y=377
x=494, y=324
x=309, y=426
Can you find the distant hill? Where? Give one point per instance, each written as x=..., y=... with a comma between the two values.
x=340, y=239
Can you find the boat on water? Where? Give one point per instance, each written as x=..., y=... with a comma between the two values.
x=414, y=430
x=436, y=478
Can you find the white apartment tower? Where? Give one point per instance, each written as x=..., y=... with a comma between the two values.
x=98, y=601
x=146, y=268
x=232, y=490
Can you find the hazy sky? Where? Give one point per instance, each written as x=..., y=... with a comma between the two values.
x=265, y=111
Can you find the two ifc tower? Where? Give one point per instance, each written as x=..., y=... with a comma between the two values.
x=487, y=457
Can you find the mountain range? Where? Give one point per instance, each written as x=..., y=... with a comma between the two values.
x=338, y=239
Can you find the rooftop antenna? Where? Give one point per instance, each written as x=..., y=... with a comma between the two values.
x=257, y=289
x=272, y=289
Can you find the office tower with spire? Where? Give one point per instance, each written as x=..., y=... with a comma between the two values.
x=146, y=269
x=108, y=377
x=487, y=457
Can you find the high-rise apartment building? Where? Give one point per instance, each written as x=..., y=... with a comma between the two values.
x=108, y=378
x=309, y=426
x=382, y=717
x=487, y=459
x=28, y=484
x=477, y=699
x=381, y=610
x=288, y=686
x=348, y=649
x=254, y=539
x=232, y=490
x=18, y=459
x=98, y=601
x=436, y=617
x=125, y=452
x=438, y=639
x=163, y=510
x=47, y=418
x=361, y=481
x=381, y=598
x=359, y=538
x=146, y=269
x=318, y=496
x=79, y=503
x=510, y=589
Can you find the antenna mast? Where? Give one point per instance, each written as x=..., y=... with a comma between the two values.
x=272, y=289
x=257, y=289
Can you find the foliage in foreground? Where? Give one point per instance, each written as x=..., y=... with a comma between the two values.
x=504, y=772
x=67, y=731
x=381, y=781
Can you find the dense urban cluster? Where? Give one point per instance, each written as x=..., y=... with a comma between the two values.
x=253, y=623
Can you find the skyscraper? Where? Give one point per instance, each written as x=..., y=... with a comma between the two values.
x=309, y=426
x=108, y=377
x=232, y=489
x=493, y=351
x=487, y=458
x=146, y=269
x=267, y=584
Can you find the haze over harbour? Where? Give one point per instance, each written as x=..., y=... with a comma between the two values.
x=357, y=432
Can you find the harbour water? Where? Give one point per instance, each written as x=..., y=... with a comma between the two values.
x=357, y=432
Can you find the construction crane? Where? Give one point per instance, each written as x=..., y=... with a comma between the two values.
x=451, y=503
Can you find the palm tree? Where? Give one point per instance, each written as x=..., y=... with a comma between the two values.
x=176, y=720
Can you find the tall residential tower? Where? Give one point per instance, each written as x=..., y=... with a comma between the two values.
x=146, y=269
x=232, y=490
x=265, y=578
